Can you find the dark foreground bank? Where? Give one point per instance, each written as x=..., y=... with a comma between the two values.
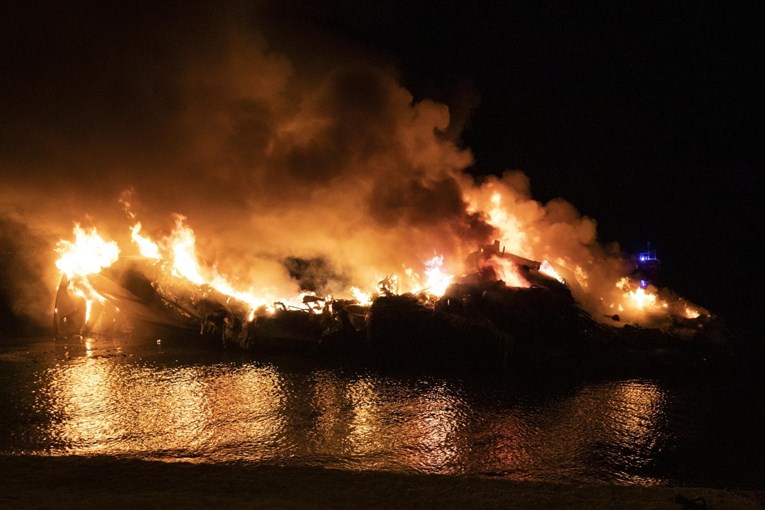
x=105, y=482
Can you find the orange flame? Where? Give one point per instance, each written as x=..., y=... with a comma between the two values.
x=508, y=272
x=88, y=254
x=146, y=246
x=546, y=268
x=437, y=281
x=363, y=298
x=183, y=245
x=638, y=302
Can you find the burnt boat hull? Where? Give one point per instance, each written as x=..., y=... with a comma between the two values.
x=481, y=324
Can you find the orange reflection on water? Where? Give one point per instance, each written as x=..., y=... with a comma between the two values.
x=434, y=430
x=382, y=424
x=365, y=434
x=247, y=409
x=329, y=403
x=622, y=421
x=507, y=445
x=635, y=415
x=108, y=407
x=257, y=412
x=86, y=401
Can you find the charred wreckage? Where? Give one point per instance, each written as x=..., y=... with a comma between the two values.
x=480, y=321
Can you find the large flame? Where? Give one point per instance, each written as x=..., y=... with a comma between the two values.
x=183, y=245
x=88, y=254
x=177, y=255
x=508, y=272
x=636, y=297
x=437, y=281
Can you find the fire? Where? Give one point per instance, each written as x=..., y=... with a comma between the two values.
x=641, y=299
x=183, y=245
x=363, y=298
x=146, y=246
x=582, y=278
x=437, y=281
x=513, y=236
x=638, y=299
x=508, y=272
x=88, y=254
x=434, y=284
x=176, y=255
x=546, y=268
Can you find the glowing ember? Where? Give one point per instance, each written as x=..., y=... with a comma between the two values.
x=691, y=313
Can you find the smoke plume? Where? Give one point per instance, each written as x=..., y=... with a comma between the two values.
x=291, y=174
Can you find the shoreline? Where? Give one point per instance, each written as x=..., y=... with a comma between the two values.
x=100, y=482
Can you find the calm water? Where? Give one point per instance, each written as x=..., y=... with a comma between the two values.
x=99, y=397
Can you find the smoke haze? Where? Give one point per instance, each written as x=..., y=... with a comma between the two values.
x=189, y=109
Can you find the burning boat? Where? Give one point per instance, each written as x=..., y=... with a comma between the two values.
x=504, y=310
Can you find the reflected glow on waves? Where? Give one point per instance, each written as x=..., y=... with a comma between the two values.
x=258, y=412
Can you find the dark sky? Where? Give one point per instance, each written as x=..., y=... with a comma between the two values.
x=646, y=118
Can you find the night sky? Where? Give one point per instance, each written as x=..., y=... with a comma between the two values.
x=647, y=119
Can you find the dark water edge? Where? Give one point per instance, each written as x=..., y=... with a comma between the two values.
x=101, y=482
x=684, y=429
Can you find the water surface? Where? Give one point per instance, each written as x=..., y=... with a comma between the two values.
x=100, y=397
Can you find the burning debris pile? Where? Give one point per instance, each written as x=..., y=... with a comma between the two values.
x=332, y=208
x=502, y=309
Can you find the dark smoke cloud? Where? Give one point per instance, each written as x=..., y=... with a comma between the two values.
x=315, y=275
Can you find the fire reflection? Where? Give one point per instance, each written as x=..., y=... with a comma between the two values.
x=622, y=422
x=248, y=410
x=86, y=401
x=434, y=430
x=380, y=423
x=254, y=412
x=507, y=445
x=365, y=434
x=106, y=407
